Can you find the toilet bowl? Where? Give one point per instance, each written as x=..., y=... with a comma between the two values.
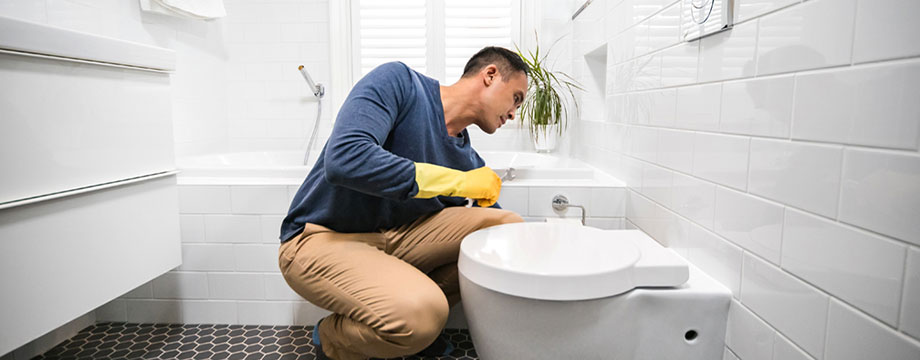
x=566, y=291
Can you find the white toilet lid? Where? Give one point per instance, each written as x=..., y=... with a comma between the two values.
x=559, y=261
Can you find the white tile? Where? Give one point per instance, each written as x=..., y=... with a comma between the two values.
x=115, y=311
x=657, y=183
x=855, y=266
x=606, y=202
x=233, y=228
x=729, y=54
x=208, y=312
x=615, y=138
x=748, y=9
x=649, y=217
x=644, y=143
x=605, y=223
x=265, y=313
x=783, y=349
x=308, y=314
x=698, y=107
x=181, y=285
x=679, y=64
x=754, y=224
x=748, y=336
x=259, y=199
x=757, y=107
x=261, y=32
x=675, y=149
x=541, y=199
x=910, y=307
x=144, y=291
x=802, y=175
x=694, y=199
x=881, y=192
x=271, y=228
x=868, y=105
x=276, y=288
x=880, y=29
x=514, y=199
x=154, y=311
x=192, y=228
x=662, y=107
x=256, y=257
x=633, y=103
x=794, y=308
x=812, y=35
x=195, y=199
x=852, y=335
x=718, y=258
x=664, y=28
x=616, y=108
x=647, y=72
x=676, y=233
x=722, y=159
x=631, y=172
x=207, y=257
x=236, y=286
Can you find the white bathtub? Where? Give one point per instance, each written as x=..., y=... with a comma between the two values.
x=285, y=167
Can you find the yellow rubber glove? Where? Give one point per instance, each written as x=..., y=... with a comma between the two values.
x=481, y=184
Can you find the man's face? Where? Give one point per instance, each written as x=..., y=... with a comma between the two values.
x=501, y=99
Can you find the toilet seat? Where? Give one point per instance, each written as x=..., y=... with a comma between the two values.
x=560, y=261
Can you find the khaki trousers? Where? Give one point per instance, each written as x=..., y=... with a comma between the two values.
x=389, y=291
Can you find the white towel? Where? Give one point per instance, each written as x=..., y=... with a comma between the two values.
x=192, y=9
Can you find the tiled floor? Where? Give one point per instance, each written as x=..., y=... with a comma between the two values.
x=178, y=341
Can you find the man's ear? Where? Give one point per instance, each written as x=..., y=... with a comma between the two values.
x=491, y=71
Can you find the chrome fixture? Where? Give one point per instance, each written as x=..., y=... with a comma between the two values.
x=318, y=91
x=509, y=175
x=582, y=8
x=561, y=203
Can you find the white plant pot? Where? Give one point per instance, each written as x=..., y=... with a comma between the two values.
x=546, y=138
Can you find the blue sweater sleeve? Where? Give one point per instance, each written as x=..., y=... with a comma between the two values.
x=354, y=156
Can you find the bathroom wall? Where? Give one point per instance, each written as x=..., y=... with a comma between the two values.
x=236, y=87
x=780, y=156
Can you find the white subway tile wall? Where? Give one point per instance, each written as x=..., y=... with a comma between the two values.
x=782, y=158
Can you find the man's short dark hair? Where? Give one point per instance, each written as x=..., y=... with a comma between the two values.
x=506, y=60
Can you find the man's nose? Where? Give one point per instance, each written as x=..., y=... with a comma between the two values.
x=511, y=115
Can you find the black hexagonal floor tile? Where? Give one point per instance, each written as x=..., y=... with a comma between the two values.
x=107, y=341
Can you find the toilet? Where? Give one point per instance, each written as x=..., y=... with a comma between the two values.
x=567, y=291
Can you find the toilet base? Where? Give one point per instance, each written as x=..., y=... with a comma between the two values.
x=686, y=322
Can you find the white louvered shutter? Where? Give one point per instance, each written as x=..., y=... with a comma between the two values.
x=434, y=37
x=391, y=30
x=471, y=25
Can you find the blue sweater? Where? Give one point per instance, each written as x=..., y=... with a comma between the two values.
x=364, y=179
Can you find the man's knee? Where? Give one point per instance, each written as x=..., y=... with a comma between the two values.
x=500, y=216
x=418, y=323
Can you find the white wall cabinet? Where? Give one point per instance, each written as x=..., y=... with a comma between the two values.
x=88, y=199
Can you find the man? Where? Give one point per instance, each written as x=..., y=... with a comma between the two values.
x=373, y=235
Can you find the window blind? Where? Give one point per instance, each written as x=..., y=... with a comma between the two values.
x=435, y=37
x=392, y=30
x=471, y=25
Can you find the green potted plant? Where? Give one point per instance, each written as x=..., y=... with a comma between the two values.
x=544, y=110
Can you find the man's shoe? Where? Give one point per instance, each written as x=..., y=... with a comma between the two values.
x=440, y=347
x=320, y=355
